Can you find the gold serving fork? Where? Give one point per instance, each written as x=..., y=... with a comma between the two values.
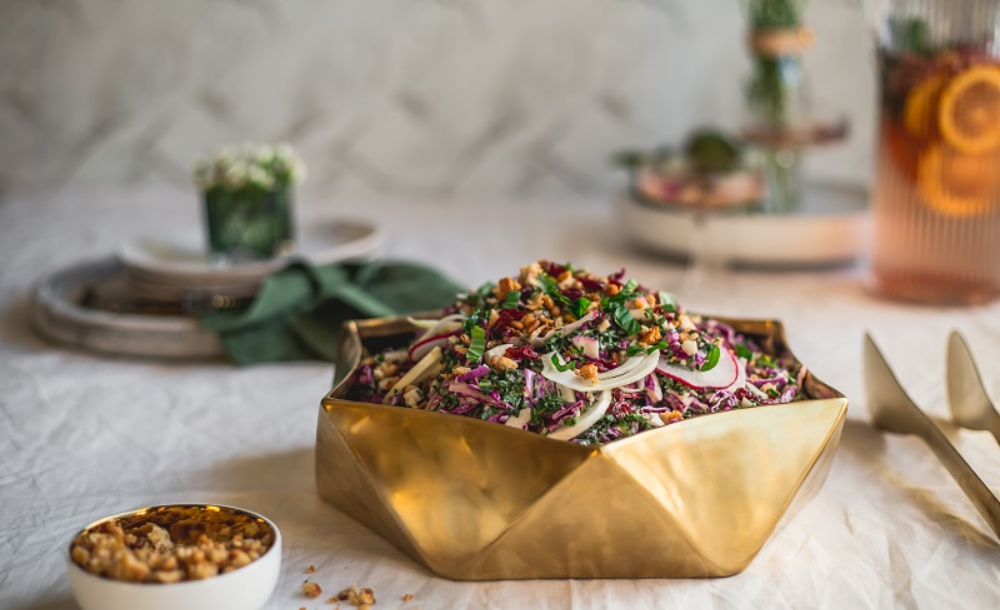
x=894, y=411
x=971, y=406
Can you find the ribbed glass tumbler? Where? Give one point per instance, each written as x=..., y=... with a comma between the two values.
x=936, y=200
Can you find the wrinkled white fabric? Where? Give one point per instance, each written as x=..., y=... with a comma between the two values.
x=83, y=436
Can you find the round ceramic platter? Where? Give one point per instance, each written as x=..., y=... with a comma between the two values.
x=829, y=231
x=181, y=260
x=60, y=316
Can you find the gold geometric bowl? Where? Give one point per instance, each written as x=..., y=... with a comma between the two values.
x=473, y=500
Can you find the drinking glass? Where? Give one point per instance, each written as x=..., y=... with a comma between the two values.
x=936, y=199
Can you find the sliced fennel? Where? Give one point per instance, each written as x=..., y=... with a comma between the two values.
x=428, y=365
x=630, y=371
x=595, y=411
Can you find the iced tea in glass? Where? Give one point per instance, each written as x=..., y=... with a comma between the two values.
x=936, y=201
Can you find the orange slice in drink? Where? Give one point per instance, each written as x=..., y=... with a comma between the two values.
x=921, y=105
x=969, y=112
x=958, y=185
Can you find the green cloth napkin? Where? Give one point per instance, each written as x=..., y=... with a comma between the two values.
x=299, y=311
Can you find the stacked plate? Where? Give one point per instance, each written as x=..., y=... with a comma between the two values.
x=146, y=301
x=177, y=268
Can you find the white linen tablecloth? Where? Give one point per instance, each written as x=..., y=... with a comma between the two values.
x=83, y=436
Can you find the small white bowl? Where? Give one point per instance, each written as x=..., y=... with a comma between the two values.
x=247, y=588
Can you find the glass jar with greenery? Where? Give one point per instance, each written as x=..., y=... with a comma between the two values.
x=774, y=94
x=248, y=201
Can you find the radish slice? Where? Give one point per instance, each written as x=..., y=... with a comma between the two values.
x=741, y=376
x=630, y=371
x=422, y=323
x=436, y=334
x=591, y=346
x=447, y=324
x=520, y=420
x=723, y=375
x=586, y=419
x=421, y=348
x=430, y=364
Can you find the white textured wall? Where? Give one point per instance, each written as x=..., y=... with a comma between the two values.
x=429, y=98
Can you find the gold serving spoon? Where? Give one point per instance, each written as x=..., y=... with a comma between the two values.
x=894, y=411
x=971, y=406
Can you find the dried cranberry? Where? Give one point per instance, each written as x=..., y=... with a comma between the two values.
x=522, y=353
x=616, y=278
x=591, y=285
x=572, y=294
x=555, y=269
x=603, y=366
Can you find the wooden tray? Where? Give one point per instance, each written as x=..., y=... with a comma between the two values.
x=88, y=306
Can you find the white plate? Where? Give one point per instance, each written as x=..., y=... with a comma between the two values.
x=830, y=230
x=182, y=261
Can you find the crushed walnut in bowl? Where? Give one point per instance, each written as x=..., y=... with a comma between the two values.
x=168, y=544
x=205, y=552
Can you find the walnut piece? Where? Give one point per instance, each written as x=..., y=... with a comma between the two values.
x=589, y=372
x=502, y=363
x=312, y=590
x=363, y=599
x=506, y=286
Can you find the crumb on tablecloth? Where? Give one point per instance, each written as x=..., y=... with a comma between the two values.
x=311, y=590
x=361, y=598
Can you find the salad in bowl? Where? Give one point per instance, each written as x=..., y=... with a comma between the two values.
x=565, y=353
